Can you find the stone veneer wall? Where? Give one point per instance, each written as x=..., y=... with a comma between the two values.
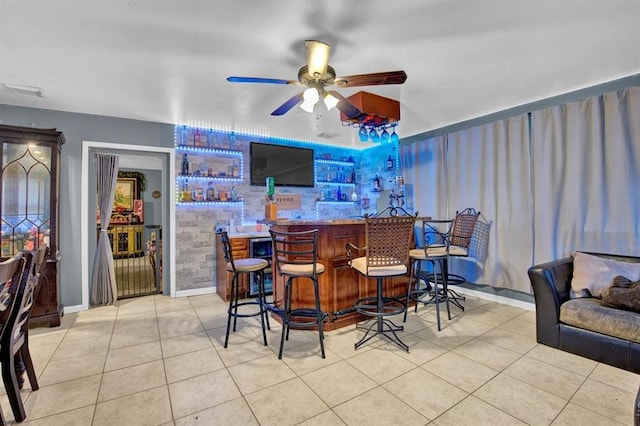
x=195, y=224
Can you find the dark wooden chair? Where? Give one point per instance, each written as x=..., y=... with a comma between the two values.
x=636, y=410
x=10, y=271
x=14, y=343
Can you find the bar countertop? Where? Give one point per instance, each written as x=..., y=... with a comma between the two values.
x=346, y=221
x=288, y=222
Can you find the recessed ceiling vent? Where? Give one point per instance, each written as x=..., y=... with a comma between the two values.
x=19, y=89
x=327, y=135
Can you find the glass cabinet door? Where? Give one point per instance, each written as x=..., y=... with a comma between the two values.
x=26, y=197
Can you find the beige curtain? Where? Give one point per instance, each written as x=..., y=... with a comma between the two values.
x=560, y=179
x=489, y=170
x=103, y=283
x=586, y=158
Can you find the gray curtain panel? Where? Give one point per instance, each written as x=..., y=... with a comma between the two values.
x=564, y=180
x=103, y=282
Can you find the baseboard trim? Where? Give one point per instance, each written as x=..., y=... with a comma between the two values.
x=495, y=298
x=195, y=291
x=74, y=309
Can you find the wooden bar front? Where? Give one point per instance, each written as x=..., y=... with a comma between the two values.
x=339, y=285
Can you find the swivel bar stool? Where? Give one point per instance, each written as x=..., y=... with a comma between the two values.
x=296, y=257
x=238, y=267
x=386, y=254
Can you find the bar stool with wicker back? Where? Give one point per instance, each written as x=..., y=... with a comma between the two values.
x=296, y=256
x=386, y=254
x=238, y=267
x=464, y=223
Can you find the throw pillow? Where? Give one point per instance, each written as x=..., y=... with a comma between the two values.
x=622, y=294
x=594, y=273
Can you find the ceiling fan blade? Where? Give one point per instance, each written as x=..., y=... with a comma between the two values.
x=317, y=56
x=344, y=106
x=261, y=80
x=374, y=79
x=285, y=107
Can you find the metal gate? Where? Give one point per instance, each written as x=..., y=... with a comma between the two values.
x=137, y=259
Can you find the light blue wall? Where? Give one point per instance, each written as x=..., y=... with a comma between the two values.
x=78, y=128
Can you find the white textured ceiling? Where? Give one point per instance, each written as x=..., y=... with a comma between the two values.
x=167, y=60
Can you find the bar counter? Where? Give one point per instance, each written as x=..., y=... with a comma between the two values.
x=339, y=285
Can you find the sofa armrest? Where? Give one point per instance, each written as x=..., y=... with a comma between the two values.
x=551, y=283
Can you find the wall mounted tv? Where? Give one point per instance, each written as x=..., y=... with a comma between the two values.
x=290, y=166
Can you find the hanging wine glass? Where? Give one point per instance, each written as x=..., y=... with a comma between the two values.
x=394, y=136
x=384, y=136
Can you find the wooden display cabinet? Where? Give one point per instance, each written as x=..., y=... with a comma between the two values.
x=127, y=240
x=240, y=250
x=29, y=207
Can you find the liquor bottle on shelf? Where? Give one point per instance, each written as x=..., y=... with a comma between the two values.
x=353, y=175
x=339, y=194
x=185, y=165
x=196, y=138
x=185, y=196
x=184, y=135
x=211, y=193
x=354, y=196
x=234, y=169
x=210, y=139
x=389, y=163
x=376, y=183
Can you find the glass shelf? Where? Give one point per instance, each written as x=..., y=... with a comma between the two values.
x=336, y=202
x=206, y=178
x=335, y=162
x=322, y=182
x=204, y=150
x=210, y=203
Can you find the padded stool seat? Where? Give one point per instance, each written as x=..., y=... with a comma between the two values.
x=248, y=265
x=244, y=266
x=296, y=255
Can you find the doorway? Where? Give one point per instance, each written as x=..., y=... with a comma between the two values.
x=154, y=160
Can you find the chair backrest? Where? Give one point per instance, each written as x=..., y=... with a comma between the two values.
x=39, y=257
x=10, y=271
x=24, y=298
x=295, y=248
x=433, y=233
x=226, y=247
x=463, y=226
x=388, y=240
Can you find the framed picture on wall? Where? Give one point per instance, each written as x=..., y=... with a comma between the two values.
x=126, y=190
x=138, y=210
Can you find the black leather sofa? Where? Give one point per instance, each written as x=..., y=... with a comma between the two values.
x=551, y=283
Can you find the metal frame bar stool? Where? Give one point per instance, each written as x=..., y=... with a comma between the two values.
x=296, y=256
x=244, y=266
x=386, y=254
x=432, y=245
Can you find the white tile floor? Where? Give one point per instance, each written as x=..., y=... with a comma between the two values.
x=160, y=361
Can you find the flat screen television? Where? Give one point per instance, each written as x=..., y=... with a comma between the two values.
x=290, y=166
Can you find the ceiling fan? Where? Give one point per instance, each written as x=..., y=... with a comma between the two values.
x=317, y=75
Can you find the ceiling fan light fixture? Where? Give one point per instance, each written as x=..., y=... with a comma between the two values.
x=310, y=99
x=330, y=101
x=317, y=57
